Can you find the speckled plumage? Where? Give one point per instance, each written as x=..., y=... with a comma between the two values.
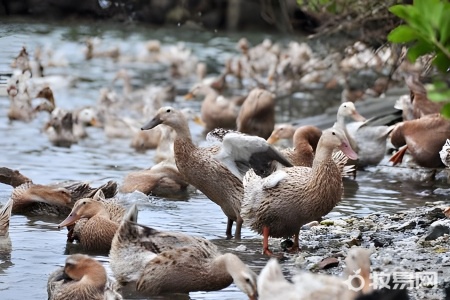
x=201, y=170
x=170, y=262
x=300, y=196
x=5, y=215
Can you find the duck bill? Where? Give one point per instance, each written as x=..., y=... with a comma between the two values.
x=189, y=96
x=152, y=124
x=272, y=140
x=253, y=297
x=71, y=219
x=345, y=147
x=199, y=121
x=357, y=117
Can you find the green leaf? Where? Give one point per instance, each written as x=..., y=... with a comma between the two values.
x=442, y=96
x=404, y=12
x=446, y=111
x=420, y=48
x=444, y=25
x=402, y=34
x=442, y=62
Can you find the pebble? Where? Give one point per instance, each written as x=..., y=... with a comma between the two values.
x=329, y=262
x=438, y=229
x=241, y=248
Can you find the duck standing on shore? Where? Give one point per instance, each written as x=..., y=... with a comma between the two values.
x=281, y=203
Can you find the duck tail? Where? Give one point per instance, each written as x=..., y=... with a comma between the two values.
x=132, y=214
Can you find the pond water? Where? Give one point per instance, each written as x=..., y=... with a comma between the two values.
x=38, y=247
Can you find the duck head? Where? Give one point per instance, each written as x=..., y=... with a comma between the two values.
x=84, y=208
x=48, y=194
x=169, y=116
x=282, y=131
x=347, y=109
x=82, y=267
x=334, y=138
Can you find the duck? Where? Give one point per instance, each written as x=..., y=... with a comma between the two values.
x=423, y=138
x=5, y=216
x=445, y=153
x=308, y=286
x=257, y=114
x=59, y=129
x=369, y=142
x=305, y=140
x=51, y=199
x=160, y=262
x=279, y=204
x=161, y=180
x=281, y=132
x=90, y=53
x=305, y=144
x=216, y=111
x=421, y=105
x=101, y=219
x=202, y=170
x=49, y=100
x=82, y=277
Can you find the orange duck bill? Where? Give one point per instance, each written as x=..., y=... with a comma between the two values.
x=71, y=219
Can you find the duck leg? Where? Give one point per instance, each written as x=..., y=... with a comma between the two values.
x=237, y=230
x=229, y=227
x=398, y=157
x=266, y=250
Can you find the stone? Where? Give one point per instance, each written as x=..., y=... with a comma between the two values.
x=327, y=222
x=438, y=229
x=329, y=262
x=407, y=225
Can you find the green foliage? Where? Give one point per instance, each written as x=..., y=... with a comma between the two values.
x=427, y=30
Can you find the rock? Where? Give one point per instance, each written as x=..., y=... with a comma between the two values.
x=407, y=225
x=341, y=223
x=381, y=242
x=353, y=242
x=241, y=248
x=329, y=262
x=437, y=229
x=327, y=222
x=286, y=244
x=314, y=259
x=310, y=225
x=435, y=214
x=386, y=260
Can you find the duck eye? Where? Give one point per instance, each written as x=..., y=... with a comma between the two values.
x=168, y=110
x=334, y=133
x=247, y=280
x=84, y=202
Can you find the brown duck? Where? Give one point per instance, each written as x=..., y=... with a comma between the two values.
x=82, y=277
x=281, y=203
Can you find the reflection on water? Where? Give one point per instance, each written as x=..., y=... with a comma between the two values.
x=37, y=247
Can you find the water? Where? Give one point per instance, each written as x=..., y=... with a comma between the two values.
x=38, y=247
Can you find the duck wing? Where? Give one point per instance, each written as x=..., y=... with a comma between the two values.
x=240, y=152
